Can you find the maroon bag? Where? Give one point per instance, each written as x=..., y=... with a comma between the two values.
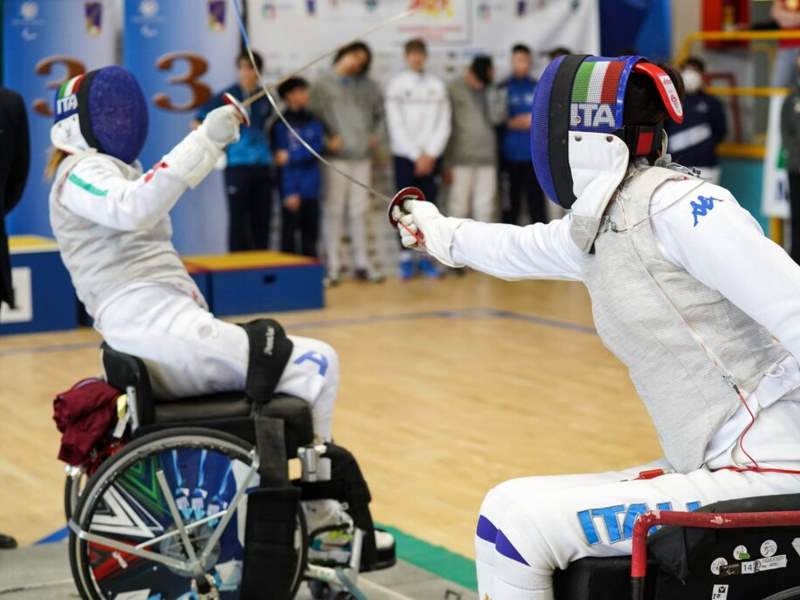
x=84, y=415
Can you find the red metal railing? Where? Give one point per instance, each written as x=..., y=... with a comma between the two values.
x=703, y=520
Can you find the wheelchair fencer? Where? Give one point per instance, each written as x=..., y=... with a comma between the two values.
x=191, y=499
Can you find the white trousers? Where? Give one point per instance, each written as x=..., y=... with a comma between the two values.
x=189, y=352
x=530, y=526
x=472, y=192
x=343, y=195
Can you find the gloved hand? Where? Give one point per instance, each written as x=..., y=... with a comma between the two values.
x=221, y=126
x=436, y=229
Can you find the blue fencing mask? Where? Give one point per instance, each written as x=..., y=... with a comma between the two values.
x=103, y=109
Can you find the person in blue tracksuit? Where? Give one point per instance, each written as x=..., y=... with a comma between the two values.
x=515, y=150
x=248, y=170
x=693, y=143
x=300, y=171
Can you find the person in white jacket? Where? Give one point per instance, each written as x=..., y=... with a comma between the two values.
x=686, y=290
x=114, y=233
x=418, y=117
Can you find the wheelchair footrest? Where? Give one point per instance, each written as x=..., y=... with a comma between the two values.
x=385, y=558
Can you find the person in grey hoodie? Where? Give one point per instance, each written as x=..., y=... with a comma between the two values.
x=471, y=152
x=350, y=106
x=790, y=136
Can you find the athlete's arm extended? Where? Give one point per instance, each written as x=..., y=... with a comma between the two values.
x=721, y=245
x=538, y=251
x=98, y=190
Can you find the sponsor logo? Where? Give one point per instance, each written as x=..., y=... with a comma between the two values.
x=718, y=564
x=701, y=208
x=435, y=7
x=588, y=114
x=94, y=17
x=29, y=10
x=216, y=15
x=740, y=553
x=768, y=548
x=149, y=8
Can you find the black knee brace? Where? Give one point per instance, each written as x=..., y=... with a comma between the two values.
x=270, y=350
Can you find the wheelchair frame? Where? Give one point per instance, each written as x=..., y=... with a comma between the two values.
x=699, y=520
x=339, y=579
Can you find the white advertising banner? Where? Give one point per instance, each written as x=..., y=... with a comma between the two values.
x=290, y=33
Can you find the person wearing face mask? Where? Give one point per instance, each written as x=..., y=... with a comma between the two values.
x=693, y=143
x=471, y=151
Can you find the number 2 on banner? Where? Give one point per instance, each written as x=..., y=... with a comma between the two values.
x=44, y=67
x=200, y=91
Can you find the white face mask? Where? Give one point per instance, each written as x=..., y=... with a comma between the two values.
x=692, y=80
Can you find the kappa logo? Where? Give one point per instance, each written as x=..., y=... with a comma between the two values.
x=702, y=206
x=67, y=103
x=589, y=114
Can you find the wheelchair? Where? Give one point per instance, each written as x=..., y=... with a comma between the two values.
x=191, y=499
x=746, y=549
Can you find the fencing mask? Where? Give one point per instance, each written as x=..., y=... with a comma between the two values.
x=580, y=146
x=103, y=109
x=581, y=96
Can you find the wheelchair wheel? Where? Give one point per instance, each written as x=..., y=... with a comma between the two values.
x=129, y=501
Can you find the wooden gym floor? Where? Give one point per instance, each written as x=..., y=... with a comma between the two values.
x=448, y=388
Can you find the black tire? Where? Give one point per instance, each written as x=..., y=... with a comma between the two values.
x=790, y=594
x=149, y=447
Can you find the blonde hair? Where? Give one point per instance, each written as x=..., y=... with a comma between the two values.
x=56, y=156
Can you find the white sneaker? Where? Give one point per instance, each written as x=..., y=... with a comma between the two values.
x=330, y=531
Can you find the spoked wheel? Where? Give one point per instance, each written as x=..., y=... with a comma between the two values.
x=131, y=500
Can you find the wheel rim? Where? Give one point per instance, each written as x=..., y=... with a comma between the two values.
x=127, y=504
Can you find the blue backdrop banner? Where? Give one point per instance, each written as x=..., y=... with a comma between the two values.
x=645, y=25
x=182, y=52
x=44, y=43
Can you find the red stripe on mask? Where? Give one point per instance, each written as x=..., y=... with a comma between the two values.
x=611, y=82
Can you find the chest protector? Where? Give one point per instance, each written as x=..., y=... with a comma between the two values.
x=656, y=318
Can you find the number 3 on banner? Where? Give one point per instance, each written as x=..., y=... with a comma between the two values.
x=45, y=67
x=200, y=91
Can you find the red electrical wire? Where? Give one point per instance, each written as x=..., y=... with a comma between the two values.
x=755, y=468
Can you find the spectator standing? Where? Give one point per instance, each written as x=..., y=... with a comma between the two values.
x=787, y=14
x=300, y=172
x=14, y=165
x=790, y=137
x=693, y=143
x=350, y=106
x=471, y=151
x=515, y=144
x=418, y=117
x=248, y=170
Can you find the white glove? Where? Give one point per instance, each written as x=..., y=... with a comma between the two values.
x=221, y=126
x=437, y=230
